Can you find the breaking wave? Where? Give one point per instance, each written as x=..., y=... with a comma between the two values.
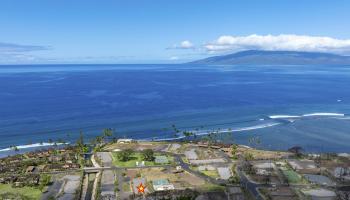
x=207, y=132
x=27, y=146
x=319, y=114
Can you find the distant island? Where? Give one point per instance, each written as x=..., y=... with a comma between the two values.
x=259, y=57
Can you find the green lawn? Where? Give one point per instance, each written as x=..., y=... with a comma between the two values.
x=28, y=192
x=137, y=156
x=212, y=173
x=211, y=187
x=292, y=176
x=126, y=187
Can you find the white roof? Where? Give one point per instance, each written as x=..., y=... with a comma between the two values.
x=125, y=140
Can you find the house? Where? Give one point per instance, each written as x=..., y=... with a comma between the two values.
x=191, y=154
x=125, y=141
x=30, y=169
x=302, y=164
x=136, y=182
x=262, y=172
x=215, y=147
x=224, y=172
x=161, y=160
x=162, y=184
x=267, y=165
x=70, y=166
x=55, y=158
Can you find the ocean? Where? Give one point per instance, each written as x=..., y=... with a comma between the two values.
x=283, y=106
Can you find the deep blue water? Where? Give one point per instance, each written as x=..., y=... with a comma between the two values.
x=43, y=102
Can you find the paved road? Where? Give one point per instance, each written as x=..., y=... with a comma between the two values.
x=107, y=184
x=252, y=187
x=185, y=166
x=53, y=190
x=106, y=158
x=72, y=182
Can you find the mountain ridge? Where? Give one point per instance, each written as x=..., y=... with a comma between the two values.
x=276, y=58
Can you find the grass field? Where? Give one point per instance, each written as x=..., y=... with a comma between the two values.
x=292, y=176
x=212, y=173
x=137, y=156
x=211, y=187
x=28, y=192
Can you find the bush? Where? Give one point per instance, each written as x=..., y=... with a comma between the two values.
x=148, y=155
x=125, y=155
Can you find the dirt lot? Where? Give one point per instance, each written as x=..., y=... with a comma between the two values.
x=332, y=164
x=273, y=179
x=203, y=153
x=261, y=154
x=280, y=193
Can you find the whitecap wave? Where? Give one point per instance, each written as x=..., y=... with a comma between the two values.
x=319, y=114
x=257, y=127
x=207, y=132
x=27, y=146
x=324, y=114
x=283, y=116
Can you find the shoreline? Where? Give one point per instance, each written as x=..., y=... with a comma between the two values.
x=275, y=121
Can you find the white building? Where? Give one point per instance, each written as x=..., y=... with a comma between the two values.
x=125, y=141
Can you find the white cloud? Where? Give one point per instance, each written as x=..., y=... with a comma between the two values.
x=186, y=44
x=174, y=58
x=279, y=42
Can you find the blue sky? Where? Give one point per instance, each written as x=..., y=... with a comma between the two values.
x=165, y=31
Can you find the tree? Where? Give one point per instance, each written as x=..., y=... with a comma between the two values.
x=266, y=179
x=15, y=148
x=124, y=155
x=61, y=141
x=254, y=141
x=187, y=133
x=148, y=155
x=44, y=181
x=234, y=151
x=82, y=147
x=107, y=133
x=248, y=156
x=80, y=142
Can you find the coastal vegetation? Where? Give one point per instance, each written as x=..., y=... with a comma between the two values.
x=129, y=158
x=9, y=192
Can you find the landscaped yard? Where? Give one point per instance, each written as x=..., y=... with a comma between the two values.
x=137, y=156
x=293, y=177
x=126, y=187
x=211, y=187
x=211, y=173
x=28, y=192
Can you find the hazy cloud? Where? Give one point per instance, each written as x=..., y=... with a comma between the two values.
x=16, y=48
x=279, y=42
x=174, y=58
x=186, y=44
